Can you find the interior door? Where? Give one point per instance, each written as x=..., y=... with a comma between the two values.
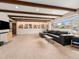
x=14, y=29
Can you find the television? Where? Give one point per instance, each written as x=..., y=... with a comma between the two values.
x=4, y=25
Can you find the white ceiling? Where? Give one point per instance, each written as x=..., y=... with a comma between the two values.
x=31, y=9
x=64, y=3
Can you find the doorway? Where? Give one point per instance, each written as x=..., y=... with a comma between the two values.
x=14, y=29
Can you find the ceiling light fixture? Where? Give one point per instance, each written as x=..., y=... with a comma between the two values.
x=17, y=7
x=37, y=9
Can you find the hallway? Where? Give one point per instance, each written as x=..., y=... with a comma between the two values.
x=34, y=47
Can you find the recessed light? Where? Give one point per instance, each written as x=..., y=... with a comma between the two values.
x=37, y=9
x=17, y=7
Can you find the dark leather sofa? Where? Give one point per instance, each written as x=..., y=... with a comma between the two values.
x=1, y=43
x=57, y=36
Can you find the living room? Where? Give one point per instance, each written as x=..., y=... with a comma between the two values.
x=31, y=29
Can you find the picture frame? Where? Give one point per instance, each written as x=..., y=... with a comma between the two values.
x=26, y=26
x=30, y=26
x=20, y=26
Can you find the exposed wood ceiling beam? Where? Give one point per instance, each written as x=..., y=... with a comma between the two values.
x=30, y=20
x=16, y=16
x=25, y=12
x=36, y=4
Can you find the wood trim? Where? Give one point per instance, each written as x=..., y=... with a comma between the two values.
x=30, y=20
x=11, y=16
x=36, y=5
x=25, y=12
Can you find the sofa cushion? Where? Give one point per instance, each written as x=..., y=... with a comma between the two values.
x=53, y=35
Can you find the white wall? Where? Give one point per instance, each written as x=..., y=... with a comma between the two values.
x=4, y=17
x=29, y=30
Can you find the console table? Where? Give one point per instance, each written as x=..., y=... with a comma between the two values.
x=2, y=42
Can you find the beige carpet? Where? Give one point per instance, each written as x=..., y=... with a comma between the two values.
x=34, y=47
